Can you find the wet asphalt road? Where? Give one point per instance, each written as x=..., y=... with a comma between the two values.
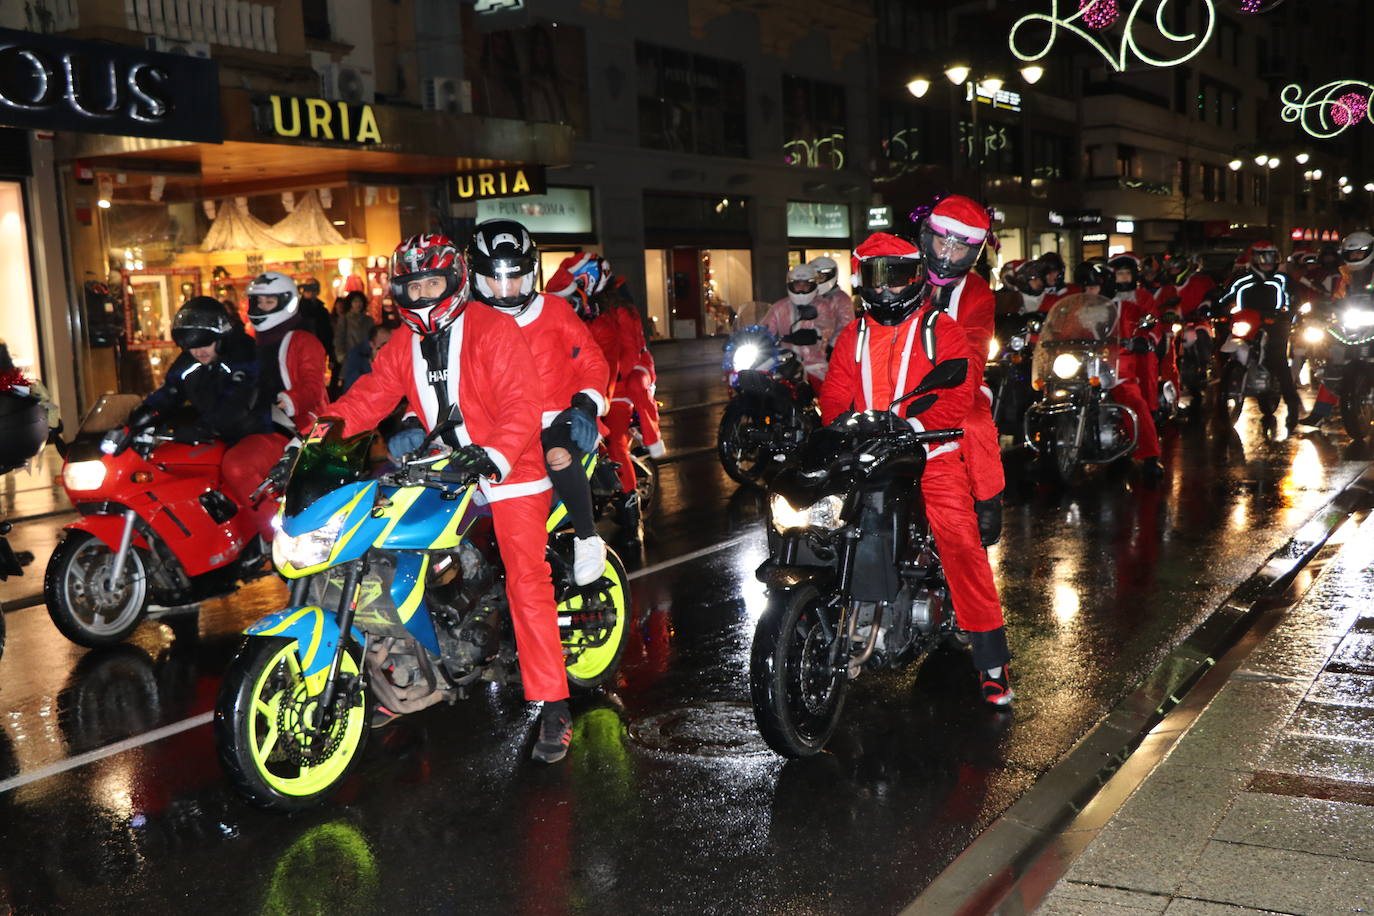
x=668, y=801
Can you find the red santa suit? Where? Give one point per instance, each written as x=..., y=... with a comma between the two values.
x=292, y=366
x=568, y=358
x=1127, y=391
x=1053, y=296
x=488, y=375
x=872, y=364
x=636, y=384
x=972, y=305
x=1146, y=366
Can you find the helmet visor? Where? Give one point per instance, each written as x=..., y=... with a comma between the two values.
x=1355, y=255
x=801, y=287
x=504, y=267
x=889, y=272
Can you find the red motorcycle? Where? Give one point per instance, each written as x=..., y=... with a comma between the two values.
x=155, y=529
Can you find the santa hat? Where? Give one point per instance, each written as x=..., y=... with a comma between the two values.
x=959, y=216
x=881, y=245
x=562, y=283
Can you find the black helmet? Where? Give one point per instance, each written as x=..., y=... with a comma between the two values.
x=498, y=250
x=1028, y=272
x=1096, y=273
x=1125, y=262
x=892, y=278
x=200, y=322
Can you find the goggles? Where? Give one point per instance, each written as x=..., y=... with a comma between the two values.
x=889, y=272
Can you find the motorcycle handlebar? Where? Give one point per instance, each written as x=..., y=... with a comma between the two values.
x=937, y=435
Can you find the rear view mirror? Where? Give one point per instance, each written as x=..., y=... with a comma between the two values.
x=921, y=404
x=948, y=374
x=804, y=337
x=806, y=313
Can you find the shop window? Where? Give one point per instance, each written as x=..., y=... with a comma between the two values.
x=813, y=124
x=690, y=102
x=535, y=73
x=995, y=149
x=315, y=14
x=1051, y=156
x=18, y=328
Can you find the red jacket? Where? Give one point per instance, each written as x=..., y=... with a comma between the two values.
x=569, y=359
x=1051, y=298
x=974, y=307
x=872, y=364
x=605, y=330
x=500, y=399
x=633, y=347
x=301, y=365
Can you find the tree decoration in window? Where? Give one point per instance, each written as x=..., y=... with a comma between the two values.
x=1330, y=109
x=1146, y=20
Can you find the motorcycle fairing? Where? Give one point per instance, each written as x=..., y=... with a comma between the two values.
x=314, y=630
x=360, y=528
x=108, y=529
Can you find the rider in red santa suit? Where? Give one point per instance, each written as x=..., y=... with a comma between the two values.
x=291, y=378
x=1056, y=280
x=639, y=377
x=880, y=357
x=1138, y=306
x=450, y=350
x=504, y=263
x=952, y=237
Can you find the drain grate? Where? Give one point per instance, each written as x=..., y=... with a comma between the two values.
x=718, y=729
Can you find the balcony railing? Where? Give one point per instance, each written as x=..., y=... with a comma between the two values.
x=229, y=23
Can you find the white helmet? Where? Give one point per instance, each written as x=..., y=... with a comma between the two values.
x=827, y=271
x=802, y=284
x=1357, y=250
x=276, y=284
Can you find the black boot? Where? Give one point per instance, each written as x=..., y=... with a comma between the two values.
x=989, y=513
x=555, y=732
x=1321, y=411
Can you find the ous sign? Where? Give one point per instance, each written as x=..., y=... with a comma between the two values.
x=317, y=119
x=514, y=181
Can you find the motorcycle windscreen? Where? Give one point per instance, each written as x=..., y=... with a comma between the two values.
x=1082, y=326
x=326, y=464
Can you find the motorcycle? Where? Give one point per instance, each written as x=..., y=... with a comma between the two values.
x=1243, y=374
x=23, y=430
x=1008, y=373
x=1349, y=365
x=853, y=578
x=397, y=595
x=1193, y=336
x=156, y=528
x=772, y=406
x=1076, y=366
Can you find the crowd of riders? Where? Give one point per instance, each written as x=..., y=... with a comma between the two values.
x=541, y=379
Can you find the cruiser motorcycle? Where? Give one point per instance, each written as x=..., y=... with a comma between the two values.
x=156, y=527
x=1243, y=375
x=1349, y=365
x=853, y=578
x=772, y=406
x=1076, y=366
x=1008, y=373
x=398, y=598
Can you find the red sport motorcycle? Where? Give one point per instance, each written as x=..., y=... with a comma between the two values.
x=155, y=528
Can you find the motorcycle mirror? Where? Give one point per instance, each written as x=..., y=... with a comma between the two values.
x=804, y=337
x=949, y=373
x=921, y=404
x=806, y=313
x=1033, y=326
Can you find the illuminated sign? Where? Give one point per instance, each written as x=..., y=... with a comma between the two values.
x=879, y=217
x=1004, y=99
x=1130, y=51
x=1125, y=226
x=49, y=83
x=497, y=6
x=514, y=181
x=321, y=120
x=563, y=211
x=1328, y=110
x=1069, y=218
x=1095, y=237
x=806, y=220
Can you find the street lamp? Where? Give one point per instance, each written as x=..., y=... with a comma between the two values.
x=918, y=86
x=991, y=84
x=1275, y=162
x=1032, y=73
x=957, y=73
x=1302, y=158
x=1261, y=160
x=1234, y=165
x=1369, y=186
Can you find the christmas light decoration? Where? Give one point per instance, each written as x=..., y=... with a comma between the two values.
x=1330, y=109
x=1091, y=12
x=1255, y=7
x=1099, y=14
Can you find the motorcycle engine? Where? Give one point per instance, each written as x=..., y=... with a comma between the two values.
x=1111, y=431
x=477, y=639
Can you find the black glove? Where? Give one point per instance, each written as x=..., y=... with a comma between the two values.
x=281, y=472
x=1140, y=345
x=142, y=417
x=474, y=459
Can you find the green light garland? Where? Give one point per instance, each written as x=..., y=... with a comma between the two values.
x=1327, y=110
x=1130, y=50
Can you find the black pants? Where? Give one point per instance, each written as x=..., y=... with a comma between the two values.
x=1276, y=361
x=571, y=484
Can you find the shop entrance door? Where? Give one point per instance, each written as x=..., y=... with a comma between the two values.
x=684, y=292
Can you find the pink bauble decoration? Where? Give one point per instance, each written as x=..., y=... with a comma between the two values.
x=1349, y=108
x=1099, y=14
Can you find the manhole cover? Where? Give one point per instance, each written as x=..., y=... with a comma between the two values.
x=724, y=729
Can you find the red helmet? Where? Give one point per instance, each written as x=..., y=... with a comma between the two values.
x=1263, y=257
x=429, y=255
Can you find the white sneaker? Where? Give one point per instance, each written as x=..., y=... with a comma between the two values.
x=657, y=450
x=589, y=559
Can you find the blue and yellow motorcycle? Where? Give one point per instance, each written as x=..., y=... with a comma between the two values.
x=398, y=601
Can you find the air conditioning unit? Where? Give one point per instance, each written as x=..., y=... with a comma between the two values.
x=446, y=93
x=170, y=46
x=346, y=84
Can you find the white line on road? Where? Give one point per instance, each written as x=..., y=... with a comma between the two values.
x=166, y=731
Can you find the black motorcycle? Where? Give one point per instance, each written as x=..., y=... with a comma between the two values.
x=1349, y=367
x=853, y=577
x=1008, y=373
x=772, y=406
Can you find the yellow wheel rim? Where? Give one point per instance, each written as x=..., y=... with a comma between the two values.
x=593, y=662
x=281, y=682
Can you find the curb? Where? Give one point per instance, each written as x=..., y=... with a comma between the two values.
x=988, y=870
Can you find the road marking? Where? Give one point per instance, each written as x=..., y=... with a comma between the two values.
x=109, y=750
x=166, y=731
x=681, y=407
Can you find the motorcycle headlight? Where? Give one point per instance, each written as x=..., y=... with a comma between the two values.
x=745, y=357
x=1356, y=319
x=1313, y=335
x=84, y=475
x=1177, y=327
x=994, y=347
x=824, y=514
x=1018, y=342
x=1240, y=328
x=1305, y=308
x=309, y=549
x=1066, y=365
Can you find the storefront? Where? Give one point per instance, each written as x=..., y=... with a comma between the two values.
x=818, y=230
x=560, y=219
x=698, y=263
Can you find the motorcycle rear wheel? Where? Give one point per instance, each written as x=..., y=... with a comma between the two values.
x=646, y=482
x=597, y=665
x=797, y=695
x=81, y=605
x=743, y=461
x=264, y=764
x=1357, y=403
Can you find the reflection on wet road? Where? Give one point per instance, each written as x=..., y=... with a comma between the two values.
x=668, y=801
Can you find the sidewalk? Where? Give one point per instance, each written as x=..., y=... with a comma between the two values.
x=1265, y=804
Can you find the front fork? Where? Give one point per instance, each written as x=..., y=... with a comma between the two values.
x=125, y=538
x=348, y=606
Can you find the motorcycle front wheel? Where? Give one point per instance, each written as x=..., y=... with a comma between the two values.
x=646, y=482
x=797, y=693
x=267, y=726
x=1064, y=459
x=743, y=460
x=77, y=590
x=1357, y=402
x=1233, y=389
x=594, y=625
